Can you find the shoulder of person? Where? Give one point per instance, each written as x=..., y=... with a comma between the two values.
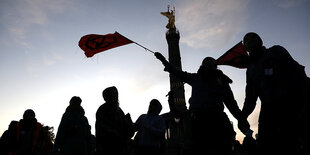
x=278, y=50
x=13, y=125
x=142, y=115
x=102, y=107
x=119, y=112
x=224, y=78
x=160, y=118
x=277, y=47
x=101, y=111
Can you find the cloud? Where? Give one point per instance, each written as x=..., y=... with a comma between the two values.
x=285, y=4
x=209, y=23
x=51, y=58
x=19, y=35
x=20, y=16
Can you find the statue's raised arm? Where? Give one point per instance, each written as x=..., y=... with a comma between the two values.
x=171, y=16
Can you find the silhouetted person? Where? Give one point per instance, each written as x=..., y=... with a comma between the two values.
x=27, y=136
x=113, y=127
x=73, y=135
x=212, y=131
x=150, y=129
x=279, y=82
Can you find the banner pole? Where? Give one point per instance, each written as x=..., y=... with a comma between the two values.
x=145, y=48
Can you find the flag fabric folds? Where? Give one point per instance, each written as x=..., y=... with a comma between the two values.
x=236, y=57
x=92, y=44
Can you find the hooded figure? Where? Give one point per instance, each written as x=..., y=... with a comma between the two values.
x=113, y=127
x=73, y=135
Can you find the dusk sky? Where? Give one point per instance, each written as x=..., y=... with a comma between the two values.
x=42, y=66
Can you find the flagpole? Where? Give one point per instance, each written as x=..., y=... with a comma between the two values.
x=144, y=47
x=137, y=44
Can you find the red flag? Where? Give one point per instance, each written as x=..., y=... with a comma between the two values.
x=92, y=44
x=236, y=57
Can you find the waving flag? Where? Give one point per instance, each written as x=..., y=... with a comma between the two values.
x=92, y=44
x=236, y=57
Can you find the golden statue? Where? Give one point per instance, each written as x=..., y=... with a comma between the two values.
x=170, y=14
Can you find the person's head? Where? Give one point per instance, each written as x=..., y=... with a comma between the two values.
x=75, y=101
x=253, y=44
x=154, y=107
x=207, y=64
x=110, y=94
x=29, y=114
x=75, y=106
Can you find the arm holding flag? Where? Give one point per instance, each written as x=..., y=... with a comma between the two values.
x=160, y=57
x=183, y=76
x=168, y=67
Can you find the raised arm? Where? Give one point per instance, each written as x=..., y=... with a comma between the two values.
x=183, y=76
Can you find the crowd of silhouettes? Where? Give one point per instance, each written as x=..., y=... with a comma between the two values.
x=272, y=75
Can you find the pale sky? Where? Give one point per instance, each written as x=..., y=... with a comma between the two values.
x=42, y=67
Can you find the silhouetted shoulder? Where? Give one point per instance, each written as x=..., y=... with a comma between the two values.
x=283, y=57
x=278, y=47
x=279, y=52
x=13, y=124
x=224, y=77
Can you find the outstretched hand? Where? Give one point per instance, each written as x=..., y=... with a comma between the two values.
x=163, y=60
x=160, y=57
